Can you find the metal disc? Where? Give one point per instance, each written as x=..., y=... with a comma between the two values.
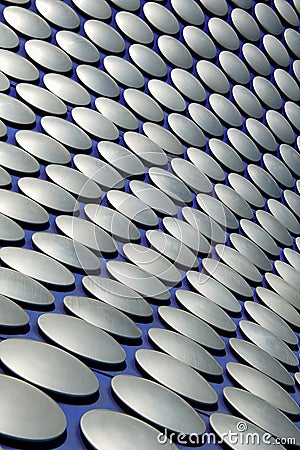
x=22, y=209
x=63, y=374
x=268, y=417
x=12, y=315
x=174, y=413
x=239, y=263
x=139, y=280
x=38, y=266
x=153, y=263
x=261, y=360
x=26, y=22
x=153, y=197
x=204, y=224
x=82, y=339
x=221, y=423
x=103, y=316
x=67, y=251
x=119, y=226
x=19, y=422
x=49, y=195
x=118, y=295
x=87, y=234
x=176, y=376
x=228, y=277
x=43, y=147
x=268, y=319
x=172, y=249
x=269, y=342
x=186, y=350
x=75, y=182
x=206, y=310
x=108, y=430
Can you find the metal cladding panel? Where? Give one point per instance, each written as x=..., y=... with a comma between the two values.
x=149, y=224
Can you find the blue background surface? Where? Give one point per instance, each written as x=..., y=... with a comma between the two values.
x=106, y=401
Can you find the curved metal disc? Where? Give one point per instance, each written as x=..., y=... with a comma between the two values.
x=107, y=429
x=63, y=374
x=82, y=339
x=19, y=422
x=118, y=295
x=141, y=399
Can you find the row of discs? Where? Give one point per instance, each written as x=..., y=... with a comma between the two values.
x=149, y=222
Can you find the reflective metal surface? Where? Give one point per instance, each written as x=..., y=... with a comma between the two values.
x=121, y=159
x=149, y=174
x=173, y=414
x=199, y=42
x=81, y=338
x=16, y=112
x=213, y=77
x=186, y=350
x=133, y=208
x=17, y=67
x=191, y=327
x=40, y=267
x=269, y=342
x=175, y=52
x=147, y=150
x=117, y=113
x=204, y=224
x=262, y=361
x=161, y=18
x=12, y=315
x=173, y=249
x=123, y=71
x=239, y=262
x=77, y=47
x=163, y=138
x=49, y=195
x=152, y=262
x=138, y=279
x=87, y=234
x=19, y=422
x=223, y=34
x=104, y=316
x=206, y=310
x=66, y=251
x=118, y=295
x=187, y=382
x=17, y=161
x=100, y=172
x=61, y=15
x=22, y=209
x=224, y=273
x=41, y=99
x=106, y=429
x=97, y=81
x=119, y=226
x=269, y=418
x=65, y=374
x=48, y=56
x=43, y=147
x=222, y=423
x=75, y=182
x=268, y=319
x=27, y=22
x=66, y=133
x=215, y=291
x=67, y=89
x=153, y=197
